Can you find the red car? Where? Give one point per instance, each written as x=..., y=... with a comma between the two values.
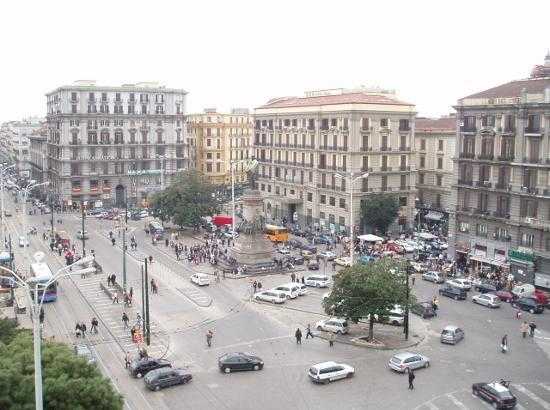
x=393, y=247
x=504, y=295
x=540, y=296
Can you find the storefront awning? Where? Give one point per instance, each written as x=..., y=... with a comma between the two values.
x=434, y=216
x=488, y=261
x=370, y=238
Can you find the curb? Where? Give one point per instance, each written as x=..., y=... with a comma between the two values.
x=355, y=342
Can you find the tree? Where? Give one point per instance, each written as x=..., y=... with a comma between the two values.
x=365, y=290
x=69, y=382
x=380, y=211
x=188, y=199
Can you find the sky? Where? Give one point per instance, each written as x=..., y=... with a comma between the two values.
x=242, y=53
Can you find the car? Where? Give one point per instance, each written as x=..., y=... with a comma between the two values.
x=328, y=255
x=85, y=352
x=79, y=234
x=306, y=254
x=496, y=393
x=298, y=260
x=166, y=377
x=143, y=214
x=295, y=243
x=402, y=362
x=432, y=277
x=504, y=295
x=270, y=296
x=327, y=372
x=313, y=265
x=284, y=250
x=453, y=292
x=344, y=261
x=46, y=210
x=484, y=287
x=423, y=309
x=487, y=299
x=23, y=242
x=525, y=290
x=200, y=279
x=540, y=296
x=395, y=316
x=451, y=335
x=302, y=288
x=231, y=362
x=528, y=304
x=317, y=281
x=364, y=259
x=333, y=325
x=418, y=267
x=309, y=248
x=407, y=247
x=323, y=240
x=460, y=283
x=394, y=247
x=290, y=290
x=140, y=367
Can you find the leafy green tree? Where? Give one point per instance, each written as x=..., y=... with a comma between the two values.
x=380, y=211
x=364, y=290
x=8, y=330
x=69, y=382
x=188, y=199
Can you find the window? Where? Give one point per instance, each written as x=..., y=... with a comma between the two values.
x=421, y=178
x=439, y=180
x=323, y=199
x=332, y=201
x=144, y=109
x=208, y=142
x=321, y=215
x=402, y=201
x=440, y=145
x=384, y=122
x=333, y=122
x=440, y=163
x=404, y=125
x=423, y=144
x=208, y=167
x=527, y=239
x=73, y=96
x=422, y=162
x=464, y=227
x=481, y=230
x=342, y=203
x=309, y=197
x=73, y=109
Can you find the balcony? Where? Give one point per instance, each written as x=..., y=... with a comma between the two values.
x=404, y=129
x=509, y=129
x=366, y=149
x=76, y=191
x=531, y=160
x=502, y=238
x=506, y=157
x=468, y=128
x=366, y=169
x=503, y=186
x=404, y=168
x=75, y=142
x=465, y=182
x=533, y=131
x=385, y=148
x=484, y=184
x=505, y=214
x=403, y=148
x=385, y=169
x=467, y=155
x=529, y=190
x=342, y=148
x=488, y=157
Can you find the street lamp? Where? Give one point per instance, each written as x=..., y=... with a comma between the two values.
x=3, y=170
x=36, y=307
x=353, y=177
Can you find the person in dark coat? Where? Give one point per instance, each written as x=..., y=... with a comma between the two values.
x=411, y=379
x=298, y=335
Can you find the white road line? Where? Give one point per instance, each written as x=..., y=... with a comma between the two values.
x=532, y=396
x=431, y=406
x=544, y=386
x=456, y=402
x=249, y=342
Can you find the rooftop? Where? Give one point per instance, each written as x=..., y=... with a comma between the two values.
x=513, y=89
x=443, y=124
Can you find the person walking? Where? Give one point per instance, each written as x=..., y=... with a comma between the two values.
x=532, y=328
x=115, y=297
x=255, y=286
x=77, y=329
x=154, y=287
x=150, y=259
x=331, y=339
x=209, y=336
x=95, y=324
x=125, y=320
x=83, y=329
x=113, y=279
x=411, y=379
x=504, y=344
x=127, y=360
x=523, y=329
x=298, y=336
x=413, y=277
x=308, y=332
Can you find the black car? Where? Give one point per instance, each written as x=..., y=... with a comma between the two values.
x=452, y=292
x=140, y=367
x=528, y=304
x=485, y=287
x=311, y=248
x=496, y=393
x=423, y=309
x=166, y=377
x=313, y=265
x=295, y=243
x=231, y=362
x=298, y=260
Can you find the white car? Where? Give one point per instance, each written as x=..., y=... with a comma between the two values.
x=302, y=288
x=330, y=371
x=460, y=283
x=284, y=250
x=344, y=261
x=143, y=214
x=291, y=290
x=200, y=279
x=273, y=296
x=23, y=242
x=317, y=281
x=79, y=234
x=407, y=247
x=333, y=325
x=432, y=277
x=328, y=255
x=487, y=299
x=326, y=296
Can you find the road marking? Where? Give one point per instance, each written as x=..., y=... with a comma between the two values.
x=431, y=406
x=457, y=402
x=250, y=342
x=532, y=396
x=544, y=386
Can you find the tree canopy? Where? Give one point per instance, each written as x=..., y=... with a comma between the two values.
x=364, y=290
x=69, y=382
x=380, y=211
x=188, y=199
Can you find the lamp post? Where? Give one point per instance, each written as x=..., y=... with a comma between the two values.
x=406, y=321
x=83, y=236
x=2, y=177
x=353, y=177
x=36, y=307
x=124, y=240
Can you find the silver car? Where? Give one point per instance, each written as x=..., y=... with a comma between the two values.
x=452, y=335
x=487, y=299
x=402, y=362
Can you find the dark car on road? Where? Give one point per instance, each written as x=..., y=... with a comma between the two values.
x=310, y=248
x=232, y=362
x=140, y=367
x=298, y=260
x=323, y=240
x=313, y=265
x=528, y=304
x=166, y=377
x=453, y=292
x=504, y=295
x=423, y=309
x=496, y=393
x=484, y=287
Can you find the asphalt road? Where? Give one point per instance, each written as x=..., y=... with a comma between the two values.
x=241, y=325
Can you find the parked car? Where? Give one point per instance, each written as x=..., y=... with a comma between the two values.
x=85, y=352
x=524, y=290
x=323, y=240
x=200, y=279
x=317, y=281
x=23, y=242
x=487, y=299
x=302, y=288
x=80, y=235
x=231, y=362
x=298, y=260
x=309, y=248
x=460, y=283
x=451, y=335
x=328, y=255
x=140, y=367
x=485, y=287
x=402, y=362
x=333, y=325
x=540, y=296
x=504, y=295
x=453, y=292
x=343, y=261
x=313, y=265
x=528, y=304
x=273, y=296
x=307, y=254
x=166, y=377
x=432, y=277
x=395, y=316
x=330, y=371
x=291, y=291
x=364, y=259
x=498, y=394
x=284, y=250
x=423, y=309
x=394, y=247
x=407, y=247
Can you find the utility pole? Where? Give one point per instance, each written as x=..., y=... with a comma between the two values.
x=124, y=240
x=143, y=300
x=406, y=322
x=83, y=231
x=147, y=324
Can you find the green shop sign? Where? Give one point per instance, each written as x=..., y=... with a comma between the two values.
x=521, y=254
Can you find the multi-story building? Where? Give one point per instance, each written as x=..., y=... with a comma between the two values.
x=502, y=177
x=435, y=148
x=220, y=139
x=38, y=157
x=108, y=142
x=308, y=146
x=15, y=143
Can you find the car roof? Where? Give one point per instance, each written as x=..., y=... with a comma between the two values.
x=450, y=327
x=324, y=364
x=404, y=355
x=336, y=319
x=498, y=387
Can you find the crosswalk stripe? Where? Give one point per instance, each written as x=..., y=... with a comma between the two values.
x=532, y=396
x=457, y=402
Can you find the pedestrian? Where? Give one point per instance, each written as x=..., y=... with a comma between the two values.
x=308, y=332
x=127, y=360
x=125, y=320
x=113, y=241
x=413, y=279
x=255, y=286
x=83, y=329
x=259, y=286
x=293, y=276
x=303, y=281
x=209, y=336
x=115, y=297
x=77, y=329
x=504, y=344
x=113, y=279
x=523, y=329
x=298, y=336
x=411, y=379
x=331, y=339
x=518, y=314
x=532, y=328
x=95, y=323
x=154, y=287
x=150, y=259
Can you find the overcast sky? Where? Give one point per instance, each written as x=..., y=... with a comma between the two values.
x=240, y=54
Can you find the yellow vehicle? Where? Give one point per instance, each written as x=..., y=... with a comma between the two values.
x=276, y=233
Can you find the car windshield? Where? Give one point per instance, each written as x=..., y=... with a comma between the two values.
x=313, y=370
x=446, y=332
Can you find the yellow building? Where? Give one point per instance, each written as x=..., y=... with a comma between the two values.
x=220, y=139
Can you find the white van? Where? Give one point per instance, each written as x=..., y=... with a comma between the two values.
x=318, y=281
x=273, y=296
x=291, y=290
x=200, y=279
x=523, y=290
x=330, y=371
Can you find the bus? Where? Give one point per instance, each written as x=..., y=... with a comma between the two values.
x=276, y=233
x=41, y=273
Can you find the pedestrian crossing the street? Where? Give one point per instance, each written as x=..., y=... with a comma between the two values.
x=532, y=396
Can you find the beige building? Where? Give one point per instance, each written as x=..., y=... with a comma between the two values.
x=435, y=148
x=221, y=138
x=308, y=146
